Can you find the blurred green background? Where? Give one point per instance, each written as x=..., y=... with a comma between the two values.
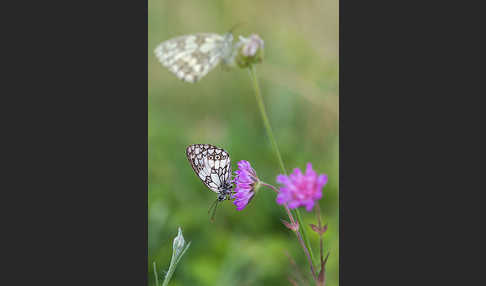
x=299, y=81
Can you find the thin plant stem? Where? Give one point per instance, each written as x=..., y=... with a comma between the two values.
x=318, y=215
x=156, y=275
x=269, y=186
x=304, y=232
x=173, y=264
x=297, y=233
x=268, y=129
x=263, y=112
x=322, y=272
x=299, y=236
x=168, y=275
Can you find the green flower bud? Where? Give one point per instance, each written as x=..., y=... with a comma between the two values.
x=179, y=243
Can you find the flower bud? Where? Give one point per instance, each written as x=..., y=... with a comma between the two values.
x=292, y=226
x=179, y=243
x=319, y=230
x=249, y=51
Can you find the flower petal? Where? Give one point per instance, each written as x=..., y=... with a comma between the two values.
x=299, y=189
x=245, y=180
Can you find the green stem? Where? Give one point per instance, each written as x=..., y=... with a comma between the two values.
x=173, y=263
x=297, y=233
x=156, y=276
x=168, y=275
x=304, y=233
x=269, y=131
x=261, y=106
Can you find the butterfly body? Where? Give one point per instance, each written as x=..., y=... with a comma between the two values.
x=213, y=166
x=191, y=57
x=225, y=192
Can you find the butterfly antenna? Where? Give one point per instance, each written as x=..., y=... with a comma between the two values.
x=236, y=25
x=213, y=207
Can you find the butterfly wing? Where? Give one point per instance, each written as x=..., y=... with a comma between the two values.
x=211, y=164
x=191, y=57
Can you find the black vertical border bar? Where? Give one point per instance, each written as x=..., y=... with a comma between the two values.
x=360, y=57
x=385, y=68
x=81, y=140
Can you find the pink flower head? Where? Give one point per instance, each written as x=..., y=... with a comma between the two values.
x=251, y=45
x=246, y=182
x=249, y=51
x=301, y=189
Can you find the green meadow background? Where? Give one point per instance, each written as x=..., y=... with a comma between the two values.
x=299, y=81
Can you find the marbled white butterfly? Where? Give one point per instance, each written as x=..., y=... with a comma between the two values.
x=191, y=57
x=213, y=166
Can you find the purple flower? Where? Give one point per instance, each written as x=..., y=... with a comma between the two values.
x=247, y=184
x=301, y=189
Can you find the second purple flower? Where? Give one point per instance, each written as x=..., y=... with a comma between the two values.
x=301, y=189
